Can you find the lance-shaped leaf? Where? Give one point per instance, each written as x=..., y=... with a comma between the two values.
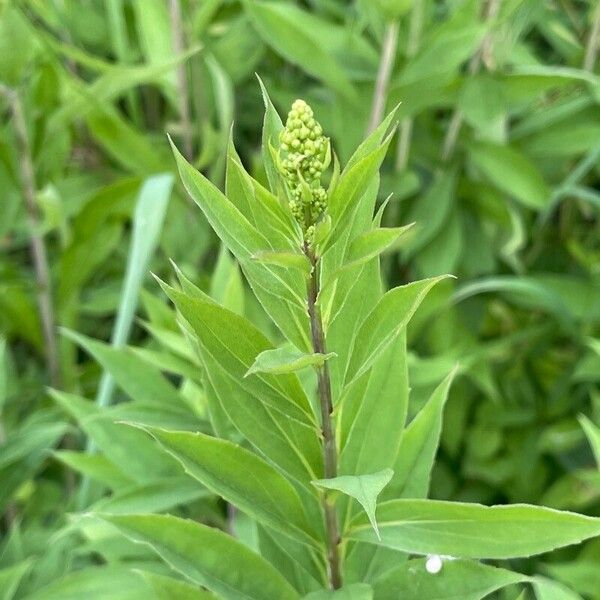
x=242, y=478
x=418, y=447
x=272, y=126
x=228, y=222
x=354, y=591
x=385, y=322
x=593, y=435
x=546, y=589
x=473, y=530
x=373, y=243
x=458, y=579
x=280, y=291
x=234, y=342
x=363, y=488
x=167, y=588
x=10, y=578
x=198, y=552
x=135, y=376
x=284, y=442
x=288, y=260
x=286, y=360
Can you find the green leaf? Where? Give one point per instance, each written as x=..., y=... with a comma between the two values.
x=458, y=579
x=10, y=578
x=101, y=583
x=546, y=589
x=363, y=488
x=230, y=225
x=513, y=173
x=286, y=360
x=593, y=435
x=167, y=588
x=197, y=552
x=285, y=442
x=285, y=259
x=474, y=530
x=272, y=126
x=354, y=591
x=235, y=343
x=418, y=447
x=242, y=478
x=385, y=322
x=278, y=290
x=283, y=27
x=136, y=377
x=373, y=243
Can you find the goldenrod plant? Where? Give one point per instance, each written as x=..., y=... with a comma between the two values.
x=310, y=438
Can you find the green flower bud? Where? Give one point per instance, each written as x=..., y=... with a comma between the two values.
x=304, y=152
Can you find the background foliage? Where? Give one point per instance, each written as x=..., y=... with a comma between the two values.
x=496, y=160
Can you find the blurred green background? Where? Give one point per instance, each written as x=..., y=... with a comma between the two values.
x=496, y=159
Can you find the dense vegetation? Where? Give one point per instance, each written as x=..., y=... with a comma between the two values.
x=496, y=159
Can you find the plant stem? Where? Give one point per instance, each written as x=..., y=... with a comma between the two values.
x=327, y=428
x=39, y=255
x=182, y=85
x=386, y=64
x=414, y=39
x=483, y=55
x=591, y=51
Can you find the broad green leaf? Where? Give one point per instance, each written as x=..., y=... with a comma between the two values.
x=285, y=442
x=272, y=126
x=295, y=561
x=373, y=243
x=546, y=589
x=236, y=343
x=197, y=551
x=513, y=173
x=353, y=182
x=385, y=322
x=285, y=259
x=280, y=25
x=363, y=488
x=418, y=447
x=277, y=289
x=593, y=435
x=375, y=411
x=354, y=591
x=230, y=225
x=167, y=588
x=10, y=578
x=457, y=579
x=123, y=142
x=580, y=574
x=286, y=360
x=136, y=377
x=94, y=466
x=3, y=373
x=103, y=583
x=242, y=478
x=158, y=496
x=474, y=530
x=115, y=440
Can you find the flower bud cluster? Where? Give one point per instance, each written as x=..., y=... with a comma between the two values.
x=306, y=154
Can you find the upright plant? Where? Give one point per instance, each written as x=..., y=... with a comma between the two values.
x=310, y=432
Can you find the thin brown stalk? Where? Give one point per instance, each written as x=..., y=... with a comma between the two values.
x=406, y=126
x=327, y=427
x=593, y=43
x=483, y=55
x=182, y=82
x=386, y=65
x=37, y=245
